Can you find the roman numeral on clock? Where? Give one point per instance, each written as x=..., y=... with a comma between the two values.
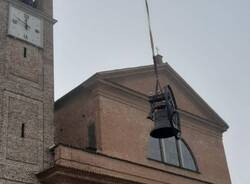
x=25, y=36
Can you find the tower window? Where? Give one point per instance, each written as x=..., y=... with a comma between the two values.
x=25, y=52
x=22, y=130
x=173, y=152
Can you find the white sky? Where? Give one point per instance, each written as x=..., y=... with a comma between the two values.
x=206, y=41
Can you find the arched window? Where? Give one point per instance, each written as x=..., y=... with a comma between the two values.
x=171, y=151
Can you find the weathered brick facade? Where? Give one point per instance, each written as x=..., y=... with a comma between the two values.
x=116, y=102
x=26, y=99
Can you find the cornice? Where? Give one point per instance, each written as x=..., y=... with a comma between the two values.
x=200, y=124
x=131, y=71
x=31, y=10
x=140, y=101
x=101, y=84
x=109, y=90
x=80, y=175
x=108, y=174
x=214, y=117
x=186, y=88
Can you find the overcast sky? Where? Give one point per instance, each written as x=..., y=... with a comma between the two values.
x=206, y=41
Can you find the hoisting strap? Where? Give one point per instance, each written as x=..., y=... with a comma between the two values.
x=158, y=86
x=150, y=30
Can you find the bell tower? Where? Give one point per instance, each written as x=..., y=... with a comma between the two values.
x=26, y=89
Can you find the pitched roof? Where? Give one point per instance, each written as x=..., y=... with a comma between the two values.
x=114, y=77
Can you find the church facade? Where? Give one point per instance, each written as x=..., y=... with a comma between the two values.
x=98, y=132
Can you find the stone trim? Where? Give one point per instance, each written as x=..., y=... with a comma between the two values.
x=31, y=10
x=181, y=82
x=127, y=96
x=197, y=119
x=103, y=79
x=75, y=174
x=101, y=171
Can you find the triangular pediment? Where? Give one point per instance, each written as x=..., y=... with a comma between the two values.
x=142, y=80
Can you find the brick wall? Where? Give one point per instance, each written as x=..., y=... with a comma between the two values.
x=119, y=106
x=26, y=99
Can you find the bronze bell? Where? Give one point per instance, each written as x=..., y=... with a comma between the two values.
x=164, y=114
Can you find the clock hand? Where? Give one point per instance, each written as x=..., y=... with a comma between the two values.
x=20, y=20
x=25, y=23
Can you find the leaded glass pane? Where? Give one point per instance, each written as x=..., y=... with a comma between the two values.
x=170, y=151
x=187, y=158
x=154, y=151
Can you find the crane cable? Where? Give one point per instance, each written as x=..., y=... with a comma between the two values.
x=158, y=85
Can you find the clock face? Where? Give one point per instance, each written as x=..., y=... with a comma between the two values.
x=26, y=27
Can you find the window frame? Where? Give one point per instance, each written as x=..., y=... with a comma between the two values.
x=91, y=137
x=179, y=155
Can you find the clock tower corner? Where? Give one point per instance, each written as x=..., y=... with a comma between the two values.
x=26, y=89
